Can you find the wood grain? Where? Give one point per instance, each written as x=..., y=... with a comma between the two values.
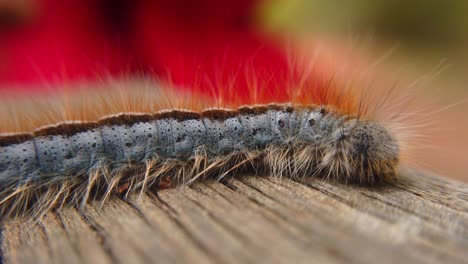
x=418, y=219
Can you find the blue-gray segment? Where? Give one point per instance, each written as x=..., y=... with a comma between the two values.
x=257, y=130
x=51, y=152
x=165, y=146
x=135, y=139
x=187, y=135
x=86, y=151
x=223, y=136
x=114, y=145
x=18, y=160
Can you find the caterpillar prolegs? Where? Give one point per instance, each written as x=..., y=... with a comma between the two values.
x=73, y=162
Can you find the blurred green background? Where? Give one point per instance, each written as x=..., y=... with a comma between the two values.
x=427, y=24
x=424, y=31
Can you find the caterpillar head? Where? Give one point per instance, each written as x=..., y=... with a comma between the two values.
x=361, y=151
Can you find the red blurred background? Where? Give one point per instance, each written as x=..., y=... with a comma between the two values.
x=181, y=40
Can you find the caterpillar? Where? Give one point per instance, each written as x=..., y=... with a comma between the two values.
x=155, y=138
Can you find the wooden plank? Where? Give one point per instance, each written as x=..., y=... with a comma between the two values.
x=418, y=219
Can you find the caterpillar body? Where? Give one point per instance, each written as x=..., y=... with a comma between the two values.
x=285, y=140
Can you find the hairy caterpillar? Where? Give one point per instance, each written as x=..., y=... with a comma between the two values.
x=75, y=151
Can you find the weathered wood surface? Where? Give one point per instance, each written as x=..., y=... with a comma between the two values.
x=419, y=219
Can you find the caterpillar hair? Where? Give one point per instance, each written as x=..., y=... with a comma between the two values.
x=75, y=147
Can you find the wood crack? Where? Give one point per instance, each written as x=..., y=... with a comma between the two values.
x=101, y=234
x=172, y=214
